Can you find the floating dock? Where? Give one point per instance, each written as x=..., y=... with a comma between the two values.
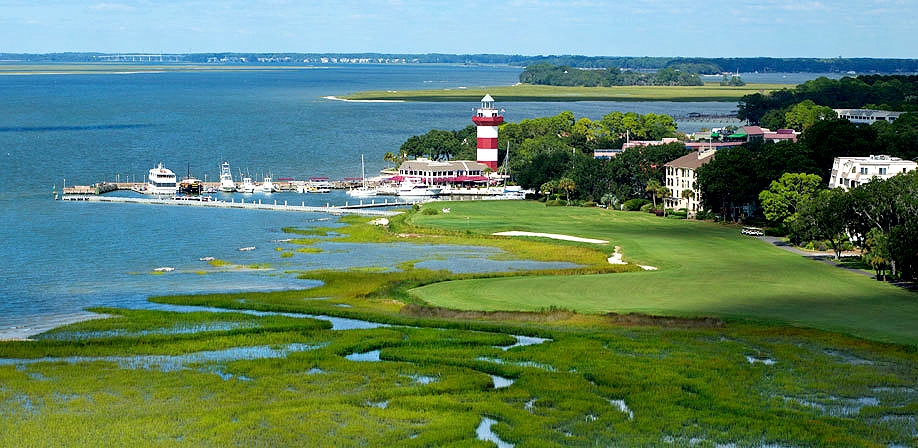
x=360, y=208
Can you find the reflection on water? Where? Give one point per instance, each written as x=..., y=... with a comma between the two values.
x=484, y=432
x=172, y=363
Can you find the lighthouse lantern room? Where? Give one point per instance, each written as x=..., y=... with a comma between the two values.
x=487, y=119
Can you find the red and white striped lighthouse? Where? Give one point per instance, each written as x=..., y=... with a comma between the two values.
x=487, y=119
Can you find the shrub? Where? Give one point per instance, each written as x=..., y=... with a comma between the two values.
x=554, y=202
x=681, y=214
x=703, y=214
x=588, y=204
x=647, y=208
x=779, y=230
x=634, y=204
x=429, y=211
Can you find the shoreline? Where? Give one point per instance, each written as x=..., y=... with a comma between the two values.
x=41, y=324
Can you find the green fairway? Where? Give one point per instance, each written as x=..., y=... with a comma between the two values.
x=704, y=269
x=529, y=92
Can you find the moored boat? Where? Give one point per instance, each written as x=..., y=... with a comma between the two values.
x=413, y=189
x=161, y=182
x=247, y=185
x=226, y=179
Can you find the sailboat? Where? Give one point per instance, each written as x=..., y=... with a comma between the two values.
x=362, y=191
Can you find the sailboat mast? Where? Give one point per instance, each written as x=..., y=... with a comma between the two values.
x=363, y=172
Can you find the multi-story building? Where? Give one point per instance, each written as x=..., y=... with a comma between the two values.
x=869, y=116
x=850, y=172
x=681, y=175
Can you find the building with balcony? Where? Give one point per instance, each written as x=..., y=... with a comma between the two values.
x=851, y=172
x=681, y=175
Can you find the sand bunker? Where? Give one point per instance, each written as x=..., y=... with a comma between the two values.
x=556, y=236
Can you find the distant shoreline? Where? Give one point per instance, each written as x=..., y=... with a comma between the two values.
x=710, y=92
x=334, y=98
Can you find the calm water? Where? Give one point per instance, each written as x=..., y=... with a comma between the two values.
x=58, y=258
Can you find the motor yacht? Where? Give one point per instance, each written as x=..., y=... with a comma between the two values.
x=226, y=179
x=161, y=182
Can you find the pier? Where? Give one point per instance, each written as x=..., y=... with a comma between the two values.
x=361, y=208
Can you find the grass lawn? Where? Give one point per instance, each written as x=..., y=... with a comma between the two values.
x=704, y=269
x=530, y=92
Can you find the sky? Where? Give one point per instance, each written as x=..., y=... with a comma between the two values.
x=711, y=28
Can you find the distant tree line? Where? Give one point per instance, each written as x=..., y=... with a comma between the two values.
x=889, y=92
x=693, y=65
x=559, y=75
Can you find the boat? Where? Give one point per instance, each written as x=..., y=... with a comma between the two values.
x=309, y=188
x=190, y=185
x=320, y=183
x=246, y=249
x=413, y=189
x=161, y=182
x=513, y=192
x=226, y=179
x=247, y=185
x=266, y=187
x=362, y=191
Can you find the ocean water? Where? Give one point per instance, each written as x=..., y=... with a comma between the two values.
x=57, y=258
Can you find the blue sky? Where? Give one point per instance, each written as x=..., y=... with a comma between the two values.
x=778, y=28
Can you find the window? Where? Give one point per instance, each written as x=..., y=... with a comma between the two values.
x=864, y=170
x=903, y=170
x=882, y=170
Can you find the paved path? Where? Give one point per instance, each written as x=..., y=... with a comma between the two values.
x=778, y=242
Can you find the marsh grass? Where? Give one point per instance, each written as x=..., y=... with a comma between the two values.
x=688, y=385
x=680, y=383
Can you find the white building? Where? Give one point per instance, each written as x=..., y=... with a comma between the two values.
x=850, y=172
x=439, y=172
x=869, y=116
x=680, y=176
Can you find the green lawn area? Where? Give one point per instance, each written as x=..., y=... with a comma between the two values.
x=704, y=269
x=530, y=92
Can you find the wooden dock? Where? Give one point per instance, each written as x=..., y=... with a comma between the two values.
x=360, y=208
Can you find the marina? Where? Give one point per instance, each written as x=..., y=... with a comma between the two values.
x=360, y=208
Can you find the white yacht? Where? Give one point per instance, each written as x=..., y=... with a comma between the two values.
x=362, y=191
x=161, y=181
x=247, y=185
x=226, y=179
x=266, y=187
x=410, y=188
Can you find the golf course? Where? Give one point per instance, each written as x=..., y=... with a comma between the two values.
x=703, y=269
x=730, y=342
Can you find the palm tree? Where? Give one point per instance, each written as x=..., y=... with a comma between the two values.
x=567, y=185
x=653, y=187
x=547, y=188
x=687, y=194
x=389, y=157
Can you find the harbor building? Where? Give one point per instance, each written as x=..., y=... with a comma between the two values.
x=487, y=119
x=869, y=116
x=433, y=172
x=850, y=172
x=681, y=175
